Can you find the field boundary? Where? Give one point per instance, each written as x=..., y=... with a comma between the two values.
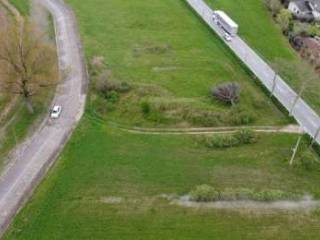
x=215, y=130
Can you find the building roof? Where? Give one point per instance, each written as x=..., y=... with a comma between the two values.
x=311, y=43
x=307, y=5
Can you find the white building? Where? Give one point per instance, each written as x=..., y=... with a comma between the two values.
x=307, y=10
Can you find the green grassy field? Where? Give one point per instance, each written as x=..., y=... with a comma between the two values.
x=259, y=30
x=103, y=162
x=170, y=48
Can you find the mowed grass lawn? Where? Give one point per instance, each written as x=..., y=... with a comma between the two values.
x=164, y=43
x=23, y=6
x=259, y=30
x=102, y=162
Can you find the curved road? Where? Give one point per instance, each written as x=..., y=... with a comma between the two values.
x=32, y=158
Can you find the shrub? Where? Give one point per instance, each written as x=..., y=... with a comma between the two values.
x=240, y=116
x=203, y=118
x=284, y=18
x=104, y=84
x=204, y=193
x=145, y=107
x=273, y=195
x=112, y=96
x=96, y=65
x=227, y=93
x=246, y=136
x=221, y=141
x=230, y=140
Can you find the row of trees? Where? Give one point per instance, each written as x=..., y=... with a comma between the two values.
x=27, y=62
x=288, y=25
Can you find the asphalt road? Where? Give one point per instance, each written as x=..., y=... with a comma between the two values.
x=32, y=158
x=302, y=112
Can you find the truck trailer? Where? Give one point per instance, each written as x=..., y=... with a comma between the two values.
x=225, y=22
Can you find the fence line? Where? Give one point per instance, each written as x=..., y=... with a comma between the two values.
x=294, y=104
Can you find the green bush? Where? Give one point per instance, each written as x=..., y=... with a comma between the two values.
x=104, y=84
x=204, y=193
x=246, y=136
x=204, y=118
x=274, y=195
x=112, y=96
x=240, y=116
x=221, y=141
x=230, y=140
x=145, y=107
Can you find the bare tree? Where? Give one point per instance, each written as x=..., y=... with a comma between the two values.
x=228, y=93
x=284, y=19
x=27, y=62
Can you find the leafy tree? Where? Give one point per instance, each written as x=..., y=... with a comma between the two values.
x=27, y=62
x=284, y=18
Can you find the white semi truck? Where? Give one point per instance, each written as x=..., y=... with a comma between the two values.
x=225, y=22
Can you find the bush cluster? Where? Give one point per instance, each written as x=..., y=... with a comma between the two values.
x=206, y=193
x=228, y=93
x=175, y=111
x=238, y=138
x=108, y=88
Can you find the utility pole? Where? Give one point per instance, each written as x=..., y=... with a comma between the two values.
x=274, y=83
x=295, y=149
x=314, y=139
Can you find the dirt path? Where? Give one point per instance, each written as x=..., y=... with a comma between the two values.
x=294, y=129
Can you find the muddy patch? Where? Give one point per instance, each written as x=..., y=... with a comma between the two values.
x=306, y=203
x=164, y=69
x=111, y=200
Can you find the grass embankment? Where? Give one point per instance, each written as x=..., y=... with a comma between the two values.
x=259, y=30
x=108, y=182
x=173, y=52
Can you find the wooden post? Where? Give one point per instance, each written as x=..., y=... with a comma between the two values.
x=294, y=104
x=295, y=149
